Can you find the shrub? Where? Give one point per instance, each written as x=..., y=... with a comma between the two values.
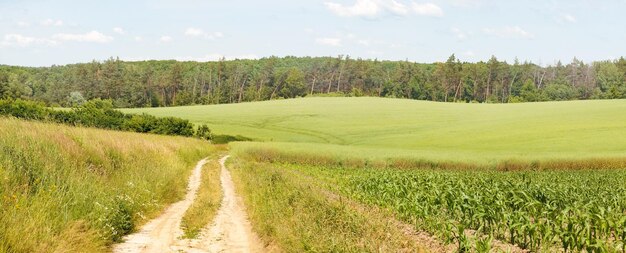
x=203, y=132
x=143, y=123
x=101, y=114
x=173, y=126
x=23, y=109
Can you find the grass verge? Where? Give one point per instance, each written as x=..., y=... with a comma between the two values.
x=207, y=202
x=69, y=189
x=294, y=215
x=266, y=153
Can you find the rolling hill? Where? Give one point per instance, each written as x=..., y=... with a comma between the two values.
x=382, y=127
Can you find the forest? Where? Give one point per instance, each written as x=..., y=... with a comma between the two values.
x=172, y=83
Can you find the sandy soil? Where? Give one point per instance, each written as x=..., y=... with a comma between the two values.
x=230, y=231
x=161, y=233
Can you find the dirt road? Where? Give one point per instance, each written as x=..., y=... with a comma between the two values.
x=229, y=232
x=161, y=233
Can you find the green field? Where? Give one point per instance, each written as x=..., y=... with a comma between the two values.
x=383, y=128
x=336, y=175
x=316, y=164
x=537, y=211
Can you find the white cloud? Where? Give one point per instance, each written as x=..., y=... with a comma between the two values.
x=138, y=38
x=374, y=8
x=427, y=9
x=51, y=22
x=360, y=8
x=367, y=8
x=467, y=3
x=509, y=32
x=335, y=42
x=93, y=36
x=19, y=40
x=119, y=30
x=567, y=18
x=165, y=38
x=394, y=7
x=196, y=32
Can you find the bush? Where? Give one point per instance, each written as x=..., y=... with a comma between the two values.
x=143, y=123
x=204, y=132
x=101, y=114
x=173, y=126
x=23, y=109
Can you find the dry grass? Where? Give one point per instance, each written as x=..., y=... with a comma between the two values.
x=295, y=215
x=207, y=201
x=274, y=155
x=67, y=189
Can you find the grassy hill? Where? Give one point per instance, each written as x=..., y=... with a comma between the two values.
x=383, y=128
x=69, y=189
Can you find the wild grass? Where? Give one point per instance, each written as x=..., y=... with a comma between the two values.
x=68, y=189
x=295, y=215
x=208, y=199
x=263, y=152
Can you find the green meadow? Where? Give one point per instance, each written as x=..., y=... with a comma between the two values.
x=398, y=128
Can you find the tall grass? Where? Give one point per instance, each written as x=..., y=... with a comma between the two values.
x=295, y=215
x=269, y=154
x=67, y=189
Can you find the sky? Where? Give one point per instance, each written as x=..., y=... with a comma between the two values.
x=45, y=32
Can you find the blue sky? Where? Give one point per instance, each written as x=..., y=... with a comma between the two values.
x=43, y=32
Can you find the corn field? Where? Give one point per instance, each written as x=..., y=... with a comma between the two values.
x=569, y=211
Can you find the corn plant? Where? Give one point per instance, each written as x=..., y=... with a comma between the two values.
x=538, y=211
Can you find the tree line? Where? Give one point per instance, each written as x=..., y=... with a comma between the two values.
x=171, y=83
